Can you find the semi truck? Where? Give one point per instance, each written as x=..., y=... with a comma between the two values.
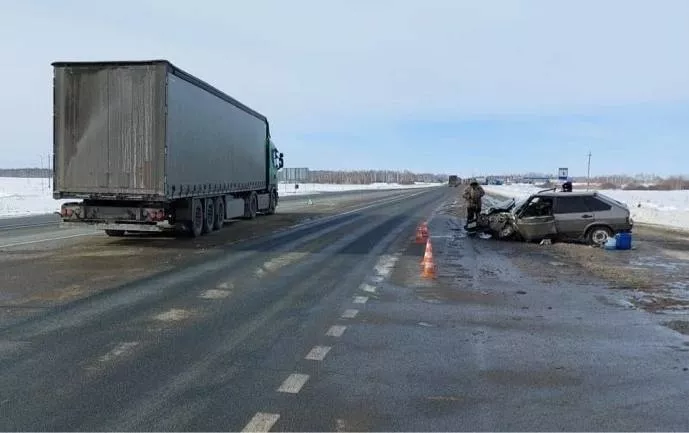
x=147, y=147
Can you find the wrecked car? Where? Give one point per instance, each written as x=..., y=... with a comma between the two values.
x=588, y=216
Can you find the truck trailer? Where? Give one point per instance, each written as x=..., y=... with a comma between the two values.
x=147, y=147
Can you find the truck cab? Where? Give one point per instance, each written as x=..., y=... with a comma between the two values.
x=276, y=162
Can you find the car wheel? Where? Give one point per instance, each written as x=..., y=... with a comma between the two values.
x=598, y=236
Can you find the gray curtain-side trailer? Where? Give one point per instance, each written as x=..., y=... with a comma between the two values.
x=148, y=147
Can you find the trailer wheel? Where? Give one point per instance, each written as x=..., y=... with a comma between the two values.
x=273, y=204
x=251, y=206
x=115, y=233
x=209, y=215
x=219, y=213
x=195, y=226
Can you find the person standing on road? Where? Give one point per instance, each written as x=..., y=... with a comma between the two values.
x=473, y=195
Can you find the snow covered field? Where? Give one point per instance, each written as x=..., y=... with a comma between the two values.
x=22, y=196
x=315, y=188
x=666, y=208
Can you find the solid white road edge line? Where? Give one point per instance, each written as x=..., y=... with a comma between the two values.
x=18, y=244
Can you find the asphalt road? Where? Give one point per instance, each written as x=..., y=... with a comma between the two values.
x=328, y=326
x=32, y=229
x=51, y=221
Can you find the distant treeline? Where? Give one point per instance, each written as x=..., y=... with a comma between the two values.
x=363, y=177
x=360, y=177
x=26, y=172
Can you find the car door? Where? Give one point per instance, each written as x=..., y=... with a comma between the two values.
x=535, y=227
x=572, y=215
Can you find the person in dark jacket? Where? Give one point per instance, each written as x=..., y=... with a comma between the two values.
x=473, y=195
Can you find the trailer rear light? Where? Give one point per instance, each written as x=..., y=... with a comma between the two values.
x=152, y=215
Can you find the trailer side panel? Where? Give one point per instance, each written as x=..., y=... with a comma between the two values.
x=213, y=146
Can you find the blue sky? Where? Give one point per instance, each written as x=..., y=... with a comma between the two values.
x=438, y=85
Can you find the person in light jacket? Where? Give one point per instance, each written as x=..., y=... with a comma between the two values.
x=473, y=195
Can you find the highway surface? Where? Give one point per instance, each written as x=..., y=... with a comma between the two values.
x=45, y=227
x=323, y=322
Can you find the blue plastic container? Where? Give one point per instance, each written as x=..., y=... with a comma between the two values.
x=624, y=241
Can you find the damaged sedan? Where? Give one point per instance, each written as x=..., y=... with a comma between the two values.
x=588, y=216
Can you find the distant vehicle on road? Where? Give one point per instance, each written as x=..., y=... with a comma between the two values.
x=150, y=148
x=573, y=216
x=454, y=181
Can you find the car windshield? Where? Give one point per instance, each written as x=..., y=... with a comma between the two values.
x=506, y=204
x=518, y=204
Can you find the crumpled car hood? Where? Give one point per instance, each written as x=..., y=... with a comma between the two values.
x=499, y=223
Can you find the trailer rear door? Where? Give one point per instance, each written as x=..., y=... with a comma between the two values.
x=109, y=128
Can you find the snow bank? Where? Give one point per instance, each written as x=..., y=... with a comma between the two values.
x=666, y=208
x=22, y=196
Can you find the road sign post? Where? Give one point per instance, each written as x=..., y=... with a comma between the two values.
x=563, y=173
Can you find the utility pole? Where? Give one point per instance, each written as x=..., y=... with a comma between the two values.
x=588, y=173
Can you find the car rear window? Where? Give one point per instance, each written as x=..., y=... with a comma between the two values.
x=595, y=205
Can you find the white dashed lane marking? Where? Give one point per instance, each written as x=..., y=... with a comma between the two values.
x=360, y=299
x=293, y=383
x=368, y=288
x=349, y=314
x=120, y=350
x=318, y=353
x=227, y=285
x=215, y=294
x=262, y=422
x=336, y=331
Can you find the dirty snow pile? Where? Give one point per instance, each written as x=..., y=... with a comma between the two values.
x=666, y=208
x=24, y=196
